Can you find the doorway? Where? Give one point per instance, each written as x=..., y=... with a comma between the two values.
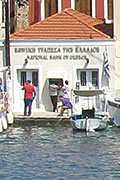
x=23, y=76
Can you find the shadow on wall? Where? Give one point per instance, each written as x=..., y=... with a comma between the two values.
x=46, y=97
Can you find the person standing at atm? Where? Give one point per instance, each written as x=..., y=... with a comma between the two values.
x=53, y=91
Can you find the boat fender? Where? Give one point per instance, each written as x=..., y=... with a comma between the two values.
x=106, y=118
x=10, y=118
x=88, y=128
x=1, y=127
x=91, y=130
x=87, y=124
x=4, y=122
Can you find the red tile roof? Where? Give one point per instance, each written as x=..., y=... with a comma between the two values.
x=68, y=24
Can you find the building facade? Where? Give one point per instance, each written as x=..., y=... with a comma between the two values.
x=117, y=45
x=71, y=50
x=25, y=13
x=80, y=62
x=100, y=9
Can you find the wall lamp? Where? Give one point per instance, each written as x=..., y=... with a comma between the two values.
x=25, y=61
x=87, y=61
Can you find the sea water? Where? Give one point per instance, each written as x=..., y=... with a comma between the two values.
x=59, y=153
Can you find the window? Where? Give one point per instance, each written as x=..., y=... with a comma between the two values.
x=95, y=78
x=51, y=7
x=88, y=78
x=35, y=78
x=84, y=6
x=23, y=78
x=83, y=78
x=110, y=9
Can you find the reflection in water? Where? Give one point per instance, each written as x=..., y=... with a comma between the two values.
x=59, y=154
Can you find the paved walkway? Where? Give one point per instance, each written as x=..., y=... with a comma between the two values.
x=41, y=119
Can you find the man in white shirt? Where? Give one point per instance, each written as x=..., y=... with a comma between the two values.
x=53, y=91
x=66, y=90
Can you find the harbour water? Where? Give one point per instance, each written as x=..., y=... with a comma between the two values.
x=59, y=153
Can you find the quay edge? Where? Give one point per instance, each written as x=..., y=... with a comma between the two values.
x=41, y=119
x=44, y=119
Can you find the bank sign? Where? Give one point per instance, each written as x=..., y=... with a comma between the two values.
x=57, y=53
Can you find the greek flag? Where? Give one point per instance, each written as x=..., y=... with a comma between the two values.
x=106, y=65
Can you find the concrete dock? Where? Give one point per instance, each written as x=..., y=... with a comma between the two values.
x=41, y=119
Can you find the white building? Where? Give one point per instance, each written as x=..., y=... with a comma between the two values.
x=117, y=44
x=64, y=46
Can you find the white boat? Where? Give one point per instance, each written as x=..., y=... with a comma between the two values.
x=89, y=119
x=3, y=120
x=6, y=116
x=113, y=107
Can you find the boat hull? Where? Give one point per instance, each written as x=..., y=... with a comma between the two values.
x=88, y=124
x=114, y=110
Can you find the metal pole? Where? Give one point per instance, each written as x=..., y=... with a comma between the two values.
x=7, y=27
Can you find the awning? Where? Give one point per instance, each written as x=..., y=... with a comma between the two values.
x=88, y=93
